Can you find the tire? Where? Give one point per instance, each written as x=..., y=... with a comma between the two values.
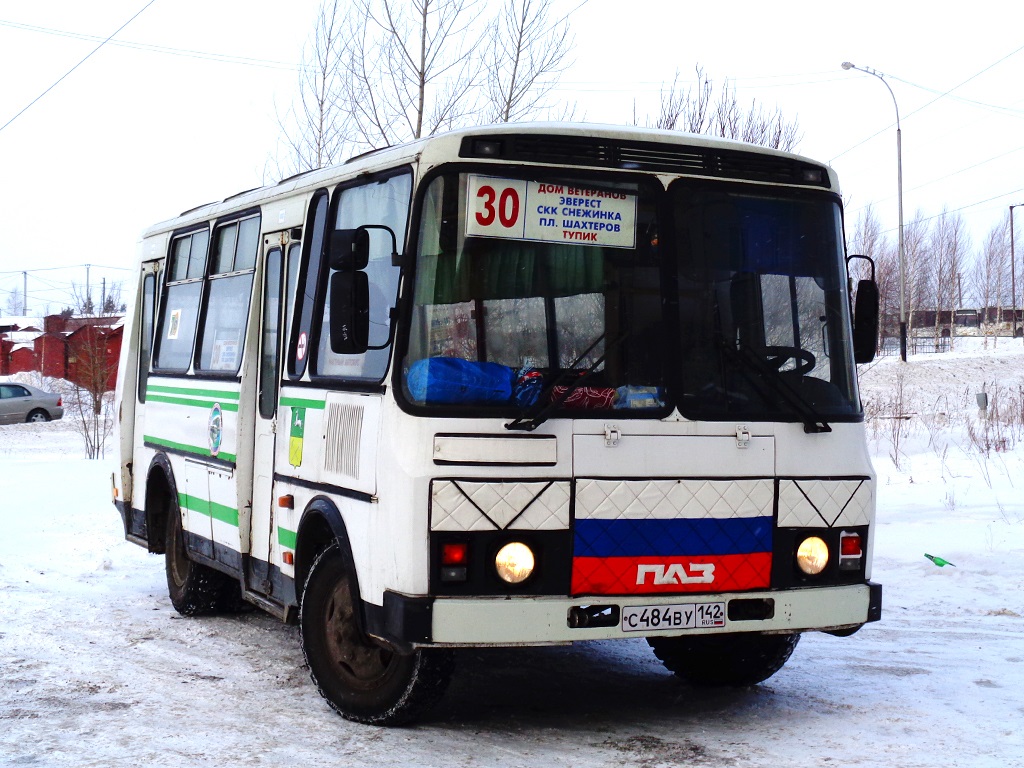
x=362, y=680
x=724, y=660
x=195, y=589
x=38, y=416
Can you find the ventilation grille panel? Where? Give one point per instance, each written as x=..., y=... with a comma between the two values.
x=649, y=156
x=342, y=435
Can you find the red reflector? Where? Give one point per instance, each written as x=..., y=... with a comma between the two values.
x=849, y=546
x=454, y=554
x=289, y=558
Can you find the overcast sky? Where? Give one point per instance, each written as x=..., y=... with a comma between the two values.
x=182, y=112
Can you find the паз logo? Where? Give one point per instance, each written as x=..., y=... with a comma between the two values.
x=676, y=573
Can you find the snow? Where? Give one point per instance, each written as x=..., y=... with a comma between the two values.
x=96, y=668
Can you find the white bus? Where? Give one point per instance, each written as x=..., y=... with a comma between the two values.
x=512, y=385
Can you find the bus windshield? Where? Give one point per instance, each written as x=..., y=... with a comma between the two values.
x=763, y=308
x=586, y=296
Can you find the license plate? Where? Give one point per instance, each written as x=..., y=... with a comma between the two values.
x=644, y=618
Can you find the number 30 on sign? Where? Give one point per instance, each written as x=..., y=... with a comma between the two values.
x=496, y=207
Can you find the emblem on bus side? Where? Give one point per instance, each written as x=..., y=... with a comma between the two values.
x=215, y=429
x=676, y=573
x=295, y=436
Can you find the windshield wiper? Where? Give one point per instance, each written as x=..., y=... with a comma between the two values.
x=813, y=421
x=527, y=421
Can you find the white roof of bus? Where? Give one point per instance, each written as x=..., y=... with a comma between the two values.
x=444, y=144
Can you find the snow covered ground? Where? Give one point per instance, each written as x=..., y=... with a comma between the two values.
x=96, y=668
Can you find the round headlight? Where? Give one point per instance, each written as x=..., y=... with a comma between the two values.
x=514, y=562
x=812, y=555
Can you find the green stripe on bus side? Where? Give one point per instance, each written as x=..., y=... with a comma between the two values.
x=286, y=538
x=229, y=457
x=226, y=394
x=194, y=403
x=298, y=402
x=212, y=509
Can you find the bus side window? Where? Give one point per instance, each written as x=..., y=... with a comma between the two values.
x=146, y=331
x=226, y=314
x=381, y=202
x=180, y=310
x=269, y=353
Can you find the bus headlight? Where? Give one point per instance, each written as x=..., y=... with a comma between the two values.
x=812, y=555
x=514, y=562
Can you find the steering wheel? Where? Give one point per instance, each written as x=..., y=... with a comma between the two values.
x=777, y=357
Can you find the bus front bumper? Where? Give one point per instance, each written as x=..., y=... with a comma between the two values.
x=408, y=622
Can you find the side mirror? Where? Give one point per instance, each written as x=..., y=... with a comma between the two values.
x=350, y=313
x=350, y=249
x=865, y=322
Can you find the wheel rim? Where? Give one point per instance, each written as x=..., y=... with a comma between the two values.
x=179, y=563
x=358, y=660
x=36, y=418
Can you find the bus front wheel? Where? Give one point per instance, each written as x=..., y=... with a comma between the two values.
x=724, y=660
x=195, y=589
x=362, y=680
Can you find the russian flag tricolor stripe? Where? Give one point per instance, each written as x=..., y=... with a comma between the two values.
x=687, y=537
x=651, y=556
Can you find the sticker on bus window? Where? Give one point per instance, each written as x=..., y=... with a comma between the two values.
x=174, y=324
x=550, y=212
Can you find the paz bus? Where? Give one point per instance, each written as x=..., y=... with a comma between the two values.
x=512, y=385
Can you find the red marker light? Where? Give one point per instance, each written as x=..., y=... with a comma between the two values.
x=850, y=546
x=454, y=553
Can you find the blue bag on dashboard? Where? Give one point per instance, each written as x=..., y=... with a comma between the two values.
x=452, y=380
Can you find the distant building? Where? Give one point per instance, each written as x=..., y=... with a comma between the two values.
x=84, y=350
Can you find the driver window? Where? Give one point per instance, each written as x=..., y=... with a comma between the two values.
x=384, y=202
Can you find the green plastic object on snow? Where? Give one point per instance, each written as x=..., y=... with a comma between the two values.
x=938, y=560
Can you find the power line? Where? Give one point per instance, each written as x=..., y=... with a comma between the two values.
x=928, y=104
x=69, y=266
x=163, y=49
x=55, y=84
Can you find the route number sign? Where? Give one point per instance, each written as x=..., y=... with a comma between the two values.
x=552, y=212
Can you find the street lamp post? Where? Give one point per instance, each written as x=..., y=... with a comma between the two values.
x=1013, y=278
x=899, y=189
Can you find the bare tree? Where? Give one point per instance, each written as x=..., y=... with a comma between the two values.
x=948, y=245
x=382, y=72
x=990, y=276
x=15, y=303
x=110, y=302
x=696, y=109
x=81, y=299
x=93, y=372
x=92, y=366
x=686, y=109
x=527, y=51
x=315, y=130
x=410, y=69
x=870, y=240
x=915, y=237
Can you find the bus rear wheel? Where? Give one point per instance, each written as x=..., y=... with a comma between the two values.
x=195, y=589
x=362, y=680
x=724, y=660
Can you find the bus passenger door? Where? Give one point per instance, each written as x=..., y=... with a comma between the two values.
x=260, y=565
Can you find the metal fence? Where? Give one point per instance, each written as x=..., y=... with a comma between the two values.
x=916, y=345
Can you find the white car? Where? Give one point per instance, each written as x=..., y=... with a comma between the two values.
x=20, y=402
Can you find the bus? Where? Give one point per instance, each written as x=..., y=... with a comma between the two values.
x=517, y=385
